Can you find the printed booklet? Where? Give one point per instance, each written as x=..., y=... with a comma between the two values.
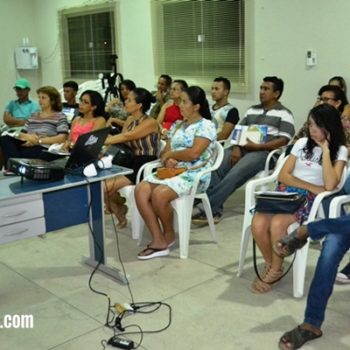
x=255, y=133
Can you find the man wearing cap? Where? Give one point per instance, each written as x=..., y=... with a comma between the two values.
x=18, y=111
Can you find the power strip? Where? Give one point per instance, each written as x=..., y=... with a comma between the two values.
x=121, y=343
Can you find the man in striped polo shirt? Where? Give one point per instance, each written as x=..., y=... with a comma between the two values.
x=241, y=163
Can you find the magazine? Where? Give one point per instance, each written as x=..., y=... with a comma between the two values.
x=255, y=133
x=57, y=148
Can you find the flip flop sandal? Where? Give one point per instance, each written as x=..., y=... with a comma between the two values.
x=297, y=337
x=288, y=245
x=153, y=253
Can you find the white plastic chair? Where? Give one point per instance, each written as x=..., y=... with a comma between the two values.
x=299, y=266
x=128, y=193
x=183, y=206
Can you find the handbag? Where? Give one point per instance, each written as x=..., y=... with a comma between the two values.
x=275, y=202
x=122, y=154
x=166, y=173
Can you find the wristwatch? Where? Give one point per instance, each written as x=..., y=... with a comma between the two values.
x=40, y=141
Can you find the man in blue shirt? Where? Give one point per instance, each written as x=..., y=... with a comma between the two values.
x=18, y=111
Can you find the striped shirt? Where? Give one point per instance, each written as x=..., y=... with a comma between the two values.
x=146, y=146
x=279, y=120
x=49, y=126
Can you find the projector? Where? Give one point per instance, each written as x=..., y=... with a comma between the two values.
x=36, y=169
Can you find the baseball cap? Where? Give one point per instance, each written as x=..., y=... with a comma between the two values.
x=22, y=84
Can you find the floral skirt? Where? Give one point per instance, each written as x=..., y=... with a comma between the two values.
x=303, y=212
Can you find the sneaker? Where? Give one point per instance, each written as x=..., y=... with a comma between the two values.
x=201, y=219
x=342, y=278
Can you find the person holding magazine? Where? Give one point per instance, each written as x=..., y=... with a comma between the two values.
x=242, y=162
x=315, y=164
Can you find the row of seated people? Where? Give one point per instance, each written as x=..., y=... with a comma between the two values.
x=190, y=144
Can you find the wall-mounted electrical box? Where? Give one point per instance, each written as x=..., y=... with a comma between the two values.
x=311, y=58
x=26, y=57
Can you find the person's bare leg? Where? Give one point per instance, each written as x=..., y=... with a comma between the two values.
x=162, y=196
x=261, y=233
x=143, y=197
x=279, y=229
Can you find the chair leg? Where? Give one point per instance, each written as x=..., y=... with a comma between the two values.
x=299, y=270
x=243, y=249
x=137, y=224
x=183, y=208
x=209, y=214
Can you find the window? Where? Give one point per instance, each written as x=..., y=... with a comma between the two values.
x=88, y=41
x=200, y=40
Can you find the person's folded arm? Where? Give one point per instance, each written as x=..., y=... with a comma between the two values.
x=200, y=144
x=285, y=176
x=145, y=128
x=9, y=120
x=268, y=146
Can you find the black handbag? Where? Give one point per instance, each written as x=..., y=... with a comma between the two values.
x=275, y=202
x=122, y=155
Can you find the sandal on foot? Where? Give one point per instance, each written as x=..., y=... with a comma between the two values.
x=271, y=278
x=153, y=253
x=288, y=245
x=296, y=338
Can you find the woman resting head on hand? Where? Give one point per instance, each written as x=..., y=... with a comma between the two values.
x=315, y=164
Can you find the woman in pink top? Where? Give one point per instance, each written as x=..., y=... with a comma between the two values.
x=91, y=116
x=170, y=111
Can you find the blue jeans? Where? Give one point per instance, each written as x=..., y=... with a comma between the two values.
x=227, y=179
x=336, y=244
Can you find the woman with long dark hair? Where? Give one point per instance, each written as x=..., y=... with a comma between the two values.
x=91, y=116
x=141, y=133
x=315, y=164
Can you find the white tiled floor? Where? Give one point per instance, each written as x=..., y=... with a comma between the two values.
x=212, y=308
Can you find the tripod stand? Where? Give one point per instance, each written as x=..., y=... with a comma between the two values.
x=113, y=80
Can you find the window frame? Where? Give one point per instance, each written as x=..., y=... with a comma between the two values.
x=63, y=16
x=237, y=85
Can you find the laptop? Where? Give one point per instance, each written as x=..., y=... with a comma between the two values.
x=85, y=151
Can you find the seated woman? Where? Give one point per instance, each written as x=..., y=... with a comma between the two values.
x=42, y=128
x=315, y=164
x=116, y=107
x=170, y=111
x=91, y=116
x=141, y=133
x=190, y=145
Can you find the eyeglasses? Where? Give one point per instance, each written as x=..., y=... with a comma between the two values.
x=325, y=99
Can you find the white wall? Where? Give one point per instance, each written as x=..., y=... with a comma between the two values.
x=16, y=18
x=279, y=34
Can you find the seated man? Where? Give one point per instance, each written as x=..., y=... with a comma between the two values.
x=70, y=107
x=330, y=94
x=161, y=95
x=18, y=111
x=223, y=114
x=335, y=246
x=241, y=163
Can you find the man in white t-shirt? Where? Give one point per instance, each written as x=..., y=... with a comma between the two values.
x=224, y=115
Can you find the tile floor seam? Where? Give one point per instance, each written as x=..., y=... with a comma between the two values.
x=53, y=294
x=73, y=338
